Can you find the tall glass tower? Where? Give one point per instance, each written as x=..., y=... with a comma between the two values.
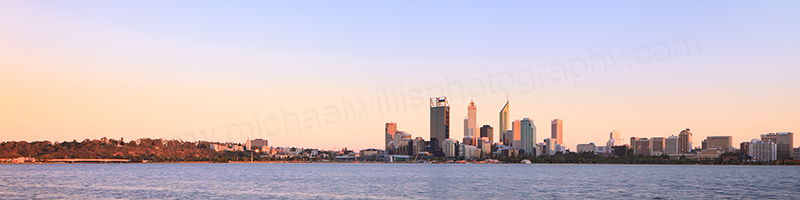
x=503, y=126
x=440, y=124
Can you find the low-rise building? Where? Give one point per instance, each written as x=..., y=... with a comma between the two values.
x=586, y=148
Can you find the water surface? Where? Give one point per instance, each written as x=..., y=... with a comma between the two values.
x=397, y=181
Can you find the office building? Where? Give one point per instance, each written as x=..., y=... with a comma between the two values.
x=685, y=141
x=557, y=131
x=389, y=130
x=487, y=131
x=527, y=135
x=471, y=125
x=486, y=149
x=586, y=148
x=723, y=142
x=516, y=140
x=450, y=148
x=744, y=148
x=784, y=141
x=399, y=139
x=418, y=146
x=643, y=147
x=508, y=138
x=671, y=145
x=503, y=125
x=658, y=146
x=619, y=150
x=602, y=150
x=469, y=140
x=633, y=143
x=247, y=144
x=258, y=143
x=550, y=146
x=763, y=150
x=439, y=124
x=614, y=139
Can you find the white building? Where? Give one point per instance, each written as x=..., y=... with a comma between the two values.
x=763, y=151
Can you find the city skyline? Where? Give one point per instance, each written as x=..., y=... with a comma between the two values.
x=330, y=75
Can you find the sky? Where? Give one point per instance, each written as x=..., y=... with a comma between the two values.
x=330, y=74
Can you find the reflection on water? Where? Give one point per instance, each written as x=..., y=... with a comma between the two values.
x=397, y=181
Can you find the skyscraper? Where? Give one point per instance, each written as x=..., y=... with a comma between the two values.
x=472, y=118
x=503, y=126
x=557, y=131
x=527, y=135
x=440, y=124
x=685, y=141
x=516, y=141
x=783, y=141
x=389, y=131
x=487, y=131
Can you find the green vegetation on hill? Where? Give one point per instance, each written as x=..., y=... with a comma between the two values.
x=155, y=150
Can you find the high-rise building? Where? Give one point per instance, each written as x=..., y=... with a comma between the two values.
x=685, y=141
x=763, y=150
x=527, y=135
x=503, y=126
x=633, y=143
x=614, y=139
x=389, y=131
x=723, y=142
x=642, y=147
x=557, y=131
x=487, y=131
x=784, y=141
x=671, y=145
x=472, y=118
x=657, y=147
x=516, y=141
x=440, y=124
